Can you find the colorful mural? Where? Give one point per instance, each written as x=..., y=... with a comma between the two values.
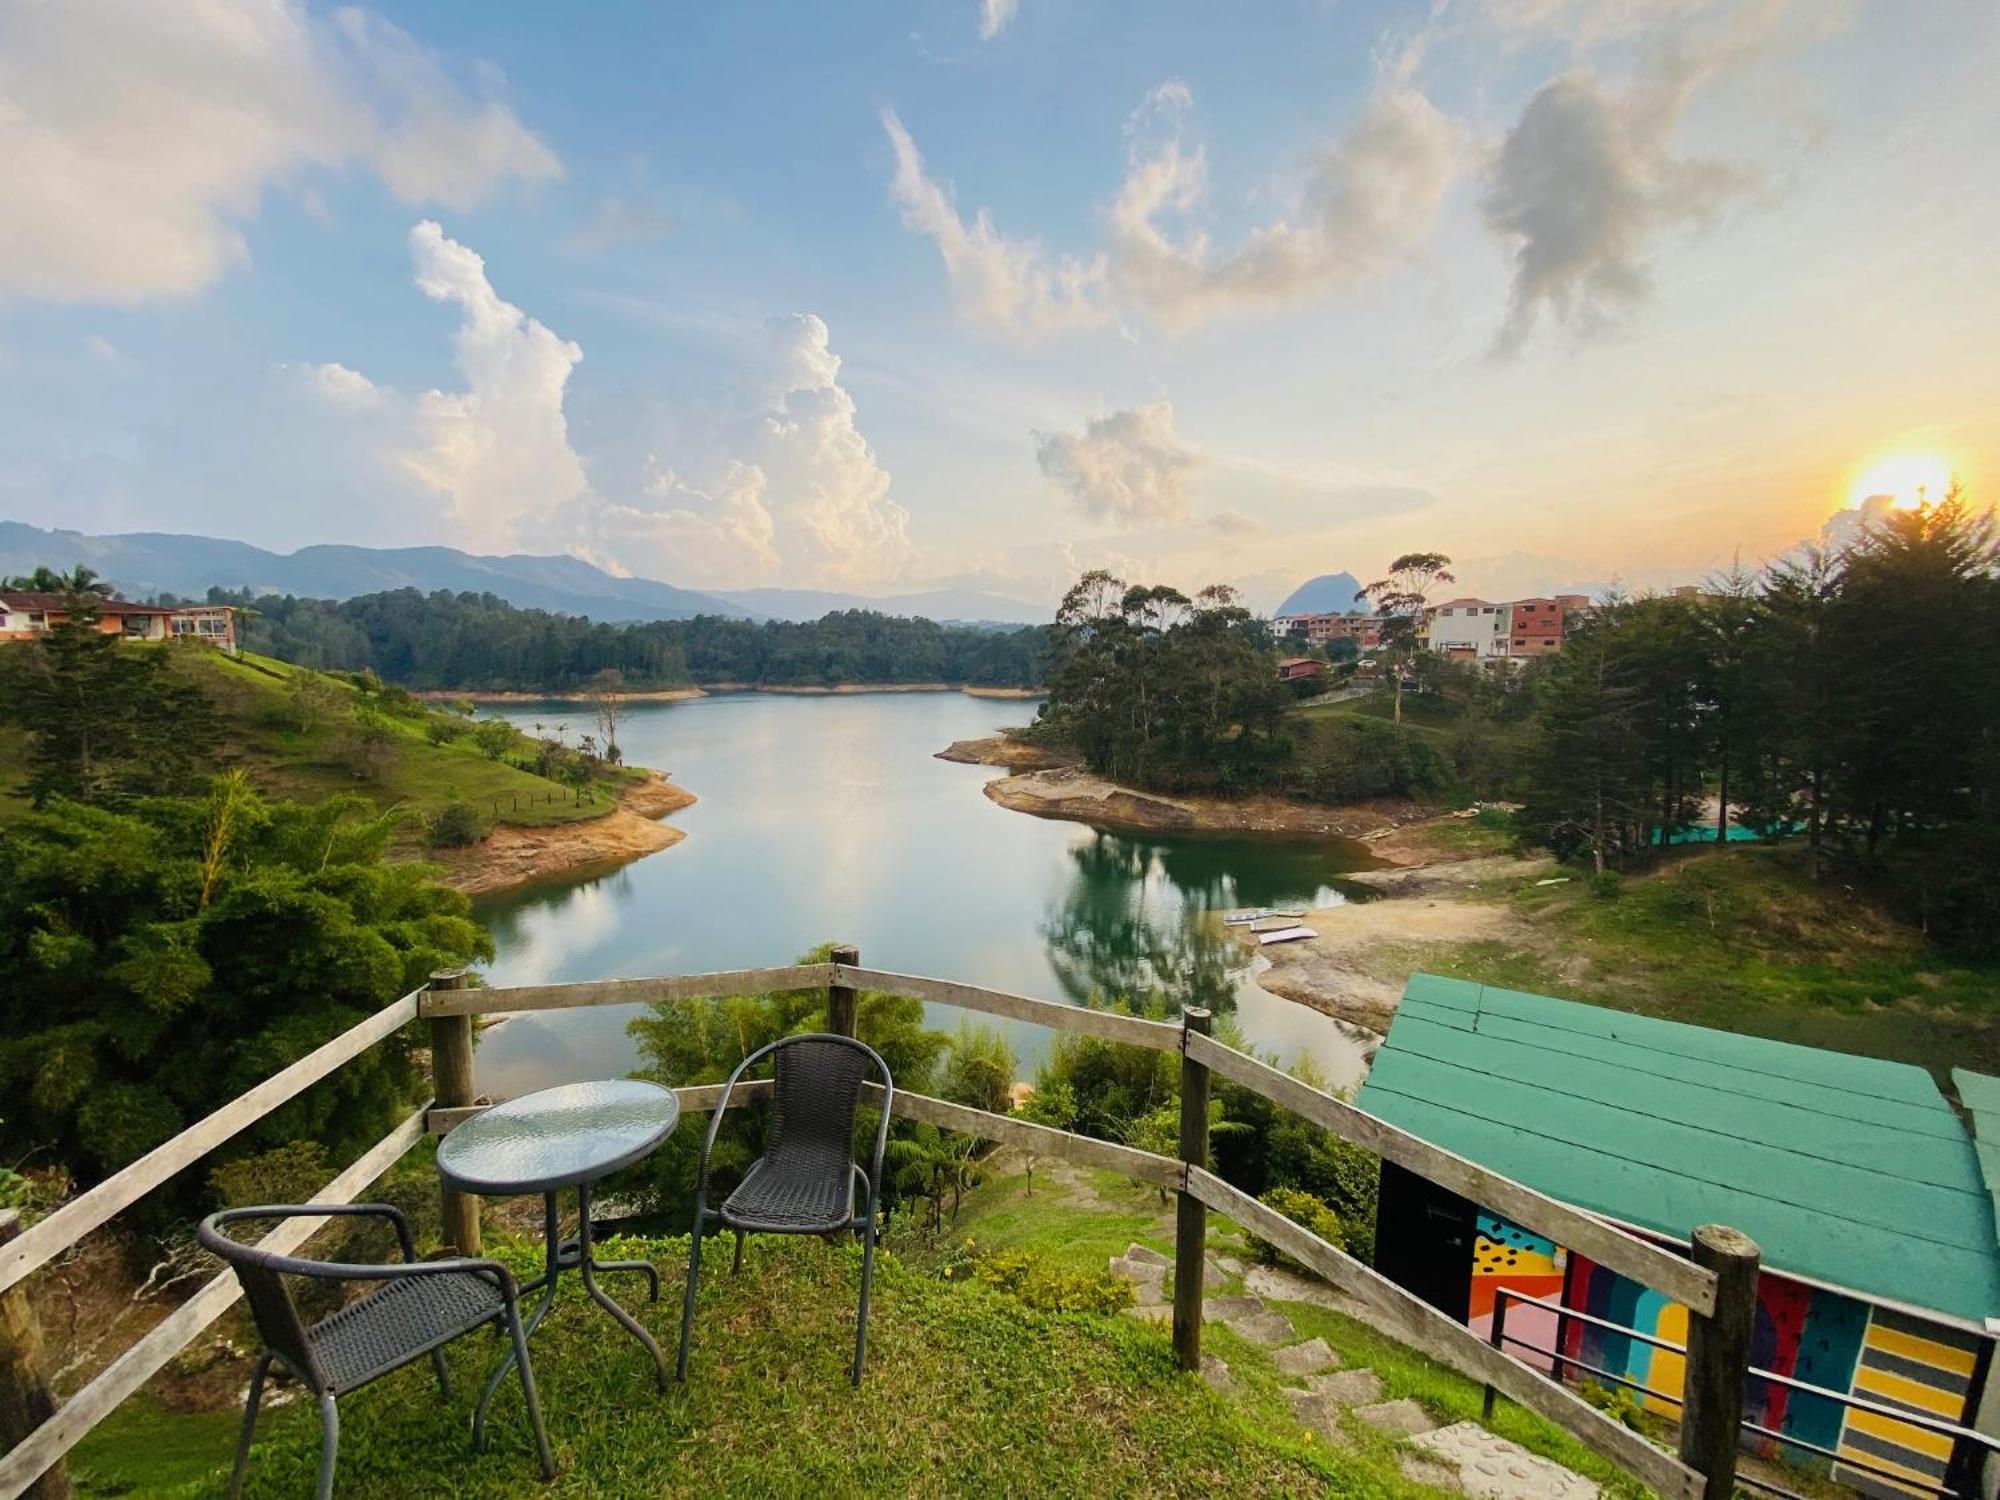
x=1506, y=1255
x=1918, y=1366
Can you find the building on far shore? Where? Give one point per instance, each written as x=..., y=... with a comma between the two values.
x=27, y=615
x=1301, y=669
x=1365, y=630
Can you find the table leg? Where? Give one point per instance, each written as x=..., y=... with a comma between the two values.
x=598, y=1296
x=552, y=1265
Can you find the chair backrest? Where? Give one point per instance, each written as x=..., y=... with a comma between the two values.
x=262, y=1275
x=815, y=1096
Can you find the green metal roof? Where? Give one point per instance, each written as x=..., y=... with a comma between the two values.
x=1848, y=1170
x=1981, y=1097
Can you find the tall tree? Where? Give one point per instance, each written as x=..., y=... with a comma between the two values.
x=1403, y=600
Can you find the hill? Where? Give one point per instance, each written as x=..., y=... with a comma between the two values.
x=1330, y=593
x=956, y=606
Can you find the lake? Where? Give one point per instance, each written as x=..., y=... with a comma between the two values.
x=829, y=819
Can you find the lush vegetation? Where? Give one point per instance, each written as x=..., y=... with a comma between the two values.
x=468, y=642
x=1850, y=697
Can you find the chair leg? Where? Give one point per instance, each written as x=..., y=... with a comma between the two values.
x=534, y=1404
x=687, y=1300
x=329, y=1445
x=249, y=1424
x=443, y=1374
x=736, y=1265
x=867, y=1278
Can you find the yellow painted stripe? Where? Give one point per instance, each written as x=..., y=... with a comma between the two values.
x=1925, y=1482
x=1902, y=1434
x=1924, y=1351
x=1911, y=1392
x=1668, y=1372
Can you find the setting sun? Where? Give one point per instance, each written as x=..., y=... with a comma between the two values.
x=1915, y=479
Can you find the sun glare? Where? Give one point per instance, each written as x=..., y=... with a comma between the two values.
x=1915, y=479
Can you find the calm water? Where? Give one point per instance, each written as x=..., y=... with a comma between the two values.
x=830, y=819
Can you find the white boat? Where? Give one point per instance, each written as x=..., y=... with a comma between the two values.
x=1284, y=935
x=1243, y=918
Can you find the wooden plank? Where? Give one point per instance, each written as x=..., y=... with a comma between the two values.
x=1663, y=1270
x=1113, y=1027
x=1161, y=1171
x=26, y=1401
x=452, y=1088
x=505, y=999
x=696, y=1099
x=1190, y=1214
x=22, y=1464
x=1424, y=1328
x=125, y=1187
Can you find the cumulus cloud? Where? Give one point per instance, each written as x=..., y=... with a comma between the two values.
x=1129, y=468
x=1370, y=199
x=994, y=16
x=341, y=388
x=1371, y=196
x=1009, y=285
x=135, y=141
x=1588, y=177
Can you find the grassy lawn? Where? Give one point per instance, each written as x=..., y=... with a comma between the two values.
x=1740, y=939
x=967, y=1393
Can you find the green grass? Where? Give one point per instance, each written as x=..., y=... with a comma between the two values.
x=967, y=1393
x=1740, y=939
x=145, y=1448
x=1002, y=1215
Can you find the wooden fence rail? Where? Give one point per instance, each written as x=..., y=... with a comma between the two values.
x=1715, y=1287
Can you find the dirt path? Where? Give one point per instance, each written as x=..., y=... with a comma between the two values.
x=511, y=856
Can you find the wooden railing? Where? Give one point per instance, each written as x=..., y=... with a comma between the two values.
x=1717, y=1285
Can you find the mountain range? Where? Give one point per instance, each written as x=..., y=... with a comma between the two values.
x=143, y=563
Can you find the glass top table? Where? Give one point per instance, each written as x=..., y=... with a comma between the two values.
x=564, y=1137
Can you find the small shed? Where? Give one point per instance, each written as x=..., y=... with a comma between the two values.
x=1854, y=1175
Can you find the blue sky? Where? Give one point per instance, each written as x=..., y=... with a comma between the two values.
x=888, y=295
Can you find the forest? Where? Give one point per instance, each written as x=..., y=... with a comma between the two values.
x=475, y=642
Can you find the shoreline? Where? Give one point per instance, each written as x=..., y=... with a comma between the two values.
x=512, y=856
x=687, y=694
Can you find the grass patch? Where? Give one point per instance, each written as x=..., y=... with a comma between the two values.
x=967, y=1392
x=1743, y=940
x=145, y=1449
x=1001, y=1215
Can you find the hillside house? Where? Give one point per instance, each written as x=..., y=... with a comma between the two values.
x=26, y=615
x=1301, y=669
x=1871, y=1204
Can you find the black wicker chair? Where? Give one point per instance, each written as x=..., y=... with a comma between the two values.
x=804, y=1182
x=421, y=1307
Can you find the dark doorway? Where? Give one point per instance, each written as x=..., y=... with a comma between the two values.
x=1423, y=1240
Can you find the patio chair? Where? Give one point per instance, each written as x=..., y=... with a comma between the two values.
x=804, y=1183
x=420, y=1307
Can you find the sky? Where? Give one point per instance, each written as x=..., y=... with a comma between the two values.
x=988, y=292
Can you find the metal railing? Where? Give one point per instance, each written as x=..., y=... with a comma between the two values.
x=1718, y=1290
x=1561, y=1360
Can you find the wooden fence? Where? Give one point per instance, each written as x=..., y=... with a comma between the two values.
x=1716, y=1285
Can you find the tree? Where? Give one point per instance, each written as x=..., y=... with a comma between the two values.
x=1586, y=792
x=107, y=720
x=607, y=700
x=494, y=737
x=1402, y=599
x=79, y=580
x=979, y=1069
x=1053, y=1106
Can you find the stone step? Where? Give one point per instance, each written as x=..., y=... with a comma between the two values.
x=1348, y=1387
x=1308, y=1358
x=1267, y=1328
x=1404, y=1416
x=1216, y=1373
x=1491, y=1468
x=1315, y=1413
x=1222, y=1309
x=1138, y=1272
x=1147, y=1254
x=1152, y=1312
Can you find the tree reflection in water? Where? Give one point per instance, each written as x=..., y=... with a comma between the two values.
x=1133, y=923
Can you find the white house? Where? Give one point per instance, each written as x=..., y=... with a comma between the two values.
x=1474, y=629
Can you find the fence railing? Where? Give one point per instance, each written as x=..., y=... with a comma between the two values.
x=1717, y=1286
x=1562, y=1361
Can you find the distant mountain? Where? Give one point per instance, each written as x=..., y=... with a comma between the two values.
x=153, y=562
x=972, y=606
x=1328, y=594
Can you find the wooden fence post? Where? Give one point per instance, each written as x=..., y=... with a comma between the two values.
x=840, y=1000
x=451, y=1088
x=25, y=1398
x=1190, y=1213
x=1718, y=1359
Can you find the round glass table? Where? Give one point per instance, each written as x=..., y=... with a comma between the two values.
x=564, y=1137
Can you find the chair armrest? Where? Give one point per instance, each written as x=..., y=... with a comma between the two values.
x=210, y=1234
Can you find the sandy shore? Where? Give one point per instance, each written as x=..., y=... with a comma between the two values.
x=511, y=856
x=683, y=694
x=1068, y=791
x=1000, y=750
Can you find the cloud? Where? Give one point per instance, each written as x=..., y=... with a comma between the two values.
x=135, y=141
x=1129, y=467
x=1587, y=178
x=343, y=389
x=1370, y=198
x=109, y=354
x=619, y=221
x=1234, y=521
x=1010, y=286
x=994, y=16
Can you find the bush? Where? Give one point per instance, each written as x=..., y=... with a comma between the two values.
x=495, y=737
x=1606, y=885
x=441, y=729
x=1303, y=1209
x=455, y=826
x=1041, y=1283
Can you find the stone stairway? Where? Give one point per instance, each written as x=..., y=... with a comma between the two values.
x=1464, y=1457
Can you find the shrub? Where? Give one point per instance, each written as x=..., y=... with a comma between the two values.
x=1303, y=1209
x=1606, y=885
x=455, y=826
x=1042, y=1284
x=441, y=729
x=495, y=737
